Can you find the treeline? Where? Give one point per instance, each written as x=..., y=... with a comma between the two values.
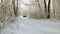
x=46, y=9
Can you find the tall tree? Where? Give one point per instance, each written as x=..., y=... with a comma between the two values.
x=15, y=6
x=49, y=8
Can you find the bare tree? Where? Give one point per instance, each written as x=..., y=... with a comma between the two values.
x=45, y=5
x=15, y=7
x=6, y=12
x=49, y=9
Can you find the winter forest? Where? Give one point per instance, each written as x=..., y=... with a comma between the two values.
x=33, y=16
x=37, y=9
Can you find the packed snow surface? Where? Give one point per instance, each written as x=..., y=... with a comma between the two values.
x=32, y=26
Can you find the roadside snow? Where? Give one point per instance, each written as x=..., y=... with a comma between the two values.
x=31, y=26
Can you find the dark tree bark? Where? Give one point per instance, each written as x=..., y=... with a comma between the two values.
x=15, y=7
x=49, y=9
x=45, y=5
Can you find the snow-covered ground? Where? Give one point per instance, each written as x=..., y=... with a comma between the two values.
x=32, y=26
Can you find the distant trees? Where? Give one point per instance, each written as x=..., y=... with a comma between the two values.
x=40, y=6
x=6, y=11
x=46, y=7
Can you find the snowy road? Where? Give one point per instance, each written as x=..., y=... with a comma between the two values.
x=32, y=26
